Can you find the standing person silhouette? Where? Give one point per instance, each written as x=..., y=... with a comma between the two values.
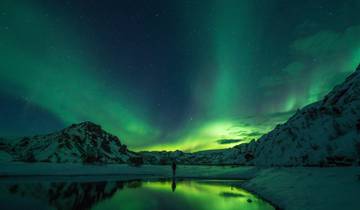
x=173, y=184
x=173, y=168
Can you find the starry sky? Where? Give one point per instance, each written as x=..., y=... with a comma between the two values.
x=166, y=75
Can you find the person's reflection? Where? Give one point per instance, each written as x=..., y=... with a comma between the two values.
x=173, y=185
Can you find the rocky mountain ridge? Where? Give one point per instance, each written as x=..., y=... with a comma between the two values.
x=84, y=142
x=324, y=133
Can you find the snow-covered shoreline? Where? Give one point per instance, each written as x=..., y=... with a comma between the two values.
x=12, y=169
x=308, y=188
x=288, y=188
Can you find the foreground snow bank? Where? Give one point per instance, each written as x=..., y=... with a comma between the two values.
x=308, y=188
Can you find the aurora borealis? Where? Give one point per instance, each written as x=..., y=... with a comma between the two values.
x=188, y=75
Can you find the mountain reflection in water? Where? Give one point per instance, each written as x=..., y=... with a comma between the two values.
x=135, y=195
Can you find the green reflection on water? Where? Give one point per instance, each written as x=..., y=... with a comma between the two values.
x=134, y=195
x=182, y=195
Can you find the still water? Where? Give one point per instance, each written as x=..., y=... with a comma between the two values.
x=134, y=195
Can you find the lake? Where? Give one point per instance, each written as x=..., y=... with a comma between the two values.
x=123, y=195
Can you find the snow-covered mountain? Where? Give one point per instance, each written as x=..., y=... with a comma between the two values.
x=85, y=142
x=325, y=133
x=207, y=157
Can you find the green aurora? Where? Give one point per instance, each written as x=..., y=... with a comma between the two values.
x=239, y=76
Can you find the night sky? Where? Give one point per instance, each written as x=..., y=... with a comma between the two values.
x=186, y=74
